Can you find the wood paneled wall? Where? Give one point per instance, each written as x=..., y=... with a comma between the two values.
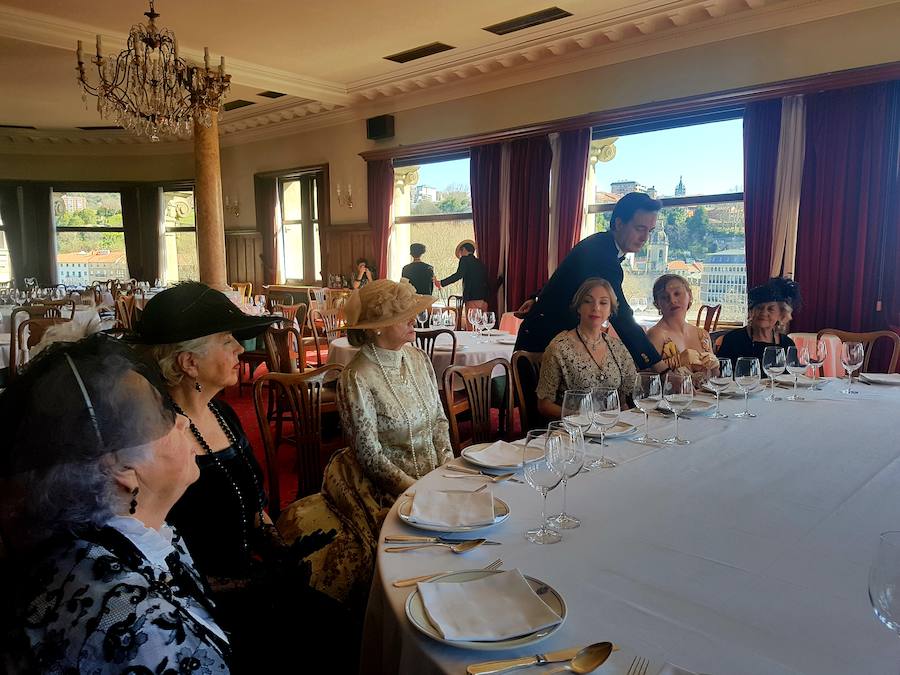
x=342, y=245
x=242, y=257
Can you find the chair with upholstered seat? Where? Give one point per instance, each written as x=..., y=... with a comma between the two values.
x=869, y=341
x=476, y=400
x=526, y=371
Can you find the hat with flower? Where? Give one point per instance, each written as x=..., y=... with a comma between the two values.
x=384, y=302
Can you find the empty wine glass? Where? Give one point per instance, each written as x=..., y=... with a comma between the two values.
x=543, y=475
x=816, y=360
x=851, y=359
x=647, y=394
x=578, y=409
x=448, y=318
x=569, y=462
x=719, y=383
x=606, y=410
x=884, y=581
x=472, y=315
x=746, y=377
x=678, y=391
x=488, y=319
x=773, y=366
x=436, y=319
x=796, y=361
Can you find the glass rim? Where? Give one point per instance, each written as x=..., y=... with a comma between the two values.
x=887, y=533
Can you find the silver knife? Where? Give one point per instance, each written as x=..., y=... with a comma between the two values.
x=489, y=667
x=415, y=539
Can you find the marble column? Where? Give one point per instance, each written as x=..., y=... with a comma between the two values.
x=208, y=204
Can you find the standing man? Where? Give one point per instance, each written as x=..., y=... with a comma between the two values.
x=420, y=274
x=600, y=255
x=474, y=277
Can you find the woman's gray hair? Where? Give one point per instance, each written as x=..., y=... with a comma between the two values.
x=784, y=323
x=166, y=356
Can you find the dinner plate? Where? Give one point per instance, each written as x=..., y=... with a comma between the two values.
x=495, y=331
x=507, y=340
x=501, y=513
x=415, y=612
x=475, y=447
x=698, y=405
x=619, y=429
x=787, y=380
x=449, y=348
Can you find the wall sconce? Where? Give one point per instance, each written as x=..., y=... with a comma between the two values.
x=232, y=206
x=345, y=199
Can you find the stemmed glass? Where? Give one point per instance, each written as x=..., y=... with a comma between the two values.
x=436, y=319
x=773, y=366
x=568, y=461
x=796, y=361
x=606, y=411
x=543, y=475
x=851, y=359
x=746, y=377
x=473, y=314
x=884, y=581
x=647, y=393
x=447, y=318
x=816, y=360
x=578, y=409
x=678, y=391
x=422, y=318
x=488, y=319
x=719, y=383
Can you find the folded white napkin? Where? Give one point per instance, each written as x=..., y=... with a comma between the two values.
x=453, y=508
x=495, y=607
x=501, y=453
x=881, y=378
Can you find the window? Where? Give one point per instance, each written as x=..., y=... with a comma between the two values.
x=5, y=260
x=697, y=172
x=90, y=239
x=301, y=256
x=181, y=263
x=432, y=206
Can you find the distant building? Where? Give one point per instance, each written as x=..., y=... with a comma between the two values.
x=601, y=197
x=80, y=269
x=420, y=192
x=73, y=202
x=724, y=282
x=623, y=187
x=692, y=271
x=657, y=259
x=679, y=189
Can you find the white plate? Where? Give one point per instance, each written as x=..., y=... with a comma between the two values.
x=415, y=612
x=495, y=331
x=787, y=380
x=732, y=390
x=475, y=447
x=501, y=513
x=620, y=429
x=507, y=340
x=449, y=348
x=881, y=378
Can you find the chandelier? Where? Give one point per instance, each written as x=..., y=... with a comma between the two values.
x=148, y=89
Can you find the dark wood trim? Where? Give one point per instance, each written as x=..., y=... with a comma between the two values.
x=434, y=218
x=656, y=109
x=292, y=172
x=241, y=233
x=89, y=229
x=101, y=185
x=680, y=201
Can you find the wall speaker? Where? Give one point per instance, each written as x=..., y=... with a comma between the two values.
x=380, y=127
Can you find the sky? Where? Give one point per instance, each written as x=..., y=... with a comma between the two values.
x=710, y=157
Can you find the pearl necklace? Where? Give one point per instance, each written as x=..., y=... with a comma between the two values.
x=406, y=416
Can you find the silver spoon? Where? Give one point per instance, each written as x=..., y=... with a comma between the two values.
x=462, y=547
x=588, y=659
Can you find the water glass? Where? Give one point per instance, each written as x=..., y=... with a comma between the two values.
x=746, y=377
x=569, y=462
x=851, y=359
x=678, y=391
x=447, y=318
x=816, y=360
x=796, y=361
x=773, y=366
x=647, y=393
x=543, y=475
x=578, y=409
x=488, y=319
x=884, y=581
x=606, y=410
x=719, y=383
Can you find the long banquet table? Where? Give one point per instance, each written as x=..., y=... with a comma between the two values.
x=745, y=552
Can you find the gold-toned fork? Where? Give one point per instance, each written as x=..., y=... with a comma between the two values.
x=638, y=666
x=412, y=581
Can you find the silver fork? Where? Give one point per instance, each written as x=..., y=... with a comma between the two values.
x=638, y=666
x=412, y=581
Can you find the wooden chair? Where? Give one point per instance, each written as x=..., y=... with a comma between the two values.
x=526, y=371
x=309, y=396
x=326, y=326
x=868, y=341
x=455, y=303
x=716, y=337
x=245, y=288
x=62, y=306
x=125, y=311
x=294, y=315
x=711, y=322
x=284, y=350
x=476, y=400
x=426, y=339
x=278, y=298
x=26, y=336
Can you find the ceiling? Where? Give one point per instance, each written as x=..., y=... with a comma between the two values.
x=327, y=55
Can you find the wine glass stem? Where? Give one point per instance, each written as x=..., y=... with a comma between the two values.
x=746, y=405
x=795, y=387
x=676, y=427
x=646, y=424
x=544, y=509
x=717, y=403
x=565, y=485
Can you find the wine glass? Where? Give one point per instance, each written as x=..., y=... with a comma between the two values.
x=816, y=360
x=773, y=366
x=884, y=581
x=422, y=318
x=578, y=409
x=746, y=377
x=569, y=462
x=678, y=391
x=436, y=319
x=606, y=410
x=488, y=319
x=472, y=315
x=796, y=361
x=851, y=359
x=448, y=318
x=543, y=475
x=647, y=393
x=719, y=383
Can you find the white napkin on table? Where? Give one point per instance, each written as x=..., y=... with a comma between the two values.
x=881, y=378
x=496, y=607
x=501, y=453
x=453, y=508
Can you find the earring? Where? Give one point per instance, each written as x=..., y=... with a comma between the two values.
x=197, y=386
x=377, y=332
x=133, y=506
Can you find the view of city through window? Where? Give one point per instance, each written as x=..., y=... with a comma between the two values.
x=181, y=263
x=90, y=241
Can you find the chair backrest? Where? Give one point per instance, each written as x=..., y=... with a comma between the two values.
x=278, y=298
x=63, y=307
x=526, y=371
x=832, y=365
x=303, y=394
x=455, y=302
x=711, y=322
x=332, y=322
x=125, y=311
x=24, y=337
x=334, y=298
x=284, y=350
x=510, y=323
x=293, y=314
x=868, y=341
x=716, y=337
x=245, y=288
x=426, y=339
x=477, y=400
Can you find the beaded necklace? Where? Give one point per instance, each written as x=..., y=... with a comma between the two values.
x=608, y=351
x=424, y=409
x=232, y=441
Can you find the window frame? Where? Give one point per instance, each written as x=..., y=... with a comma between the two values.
x=165, y=229
x=66, y=189
x=312, y=182
x=435, y=159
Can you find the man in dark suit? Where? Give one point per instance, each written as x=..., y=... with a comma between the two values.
x=419, y=273
x=473, y=272
x=600, y=255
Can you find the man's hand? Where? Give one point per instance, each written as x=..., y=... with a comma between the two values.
x=437, y=282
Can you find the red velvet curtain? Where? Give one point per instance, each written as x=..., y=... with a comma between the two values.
x=574, y=149
x=848, y=253
x=484, y=174
x=529, y=217
x=762, y=131
x=380, y=183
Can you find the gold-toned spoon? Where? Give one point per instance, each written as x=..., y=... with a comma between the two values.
x=588, y=659
x=462, y=547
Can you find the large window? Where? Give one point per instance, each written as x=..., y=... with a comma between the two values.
x=301, y=257
x=5, y=260
x=697, y=172
x=180, y=262
x=90, y=239
x=432, y=206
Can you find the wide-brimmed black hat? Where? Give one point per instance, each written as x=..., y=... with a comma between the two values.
x=191, y=310
x=776, y=289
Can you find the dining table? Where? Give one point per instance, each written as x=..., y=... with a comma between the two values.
x=746, y=552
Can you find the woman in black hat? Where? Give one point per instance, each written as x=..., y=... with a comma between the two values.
x=771, y=308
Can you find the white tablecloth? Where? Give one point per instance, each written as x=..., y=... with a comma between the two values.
x=746, y=552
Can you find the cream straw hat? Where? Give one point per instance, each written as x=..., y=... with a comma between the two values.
x=384, y=302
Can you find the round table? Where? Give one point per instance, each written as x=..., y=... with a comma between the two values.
x=745, y=552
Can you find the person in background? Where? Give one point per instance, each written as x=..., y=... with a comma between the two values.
x=419, y=274
x=363, y=274
x=473, y=274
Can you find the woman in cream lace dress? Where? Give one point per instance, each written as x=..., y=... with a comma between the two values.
x=397, y=431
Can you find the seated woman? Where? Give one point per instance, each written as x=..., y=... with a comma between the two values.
x=96, y=458
x=586, y=356
x=771, y=308
x=192, y=332
x=682, y=345
x=392, y=415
